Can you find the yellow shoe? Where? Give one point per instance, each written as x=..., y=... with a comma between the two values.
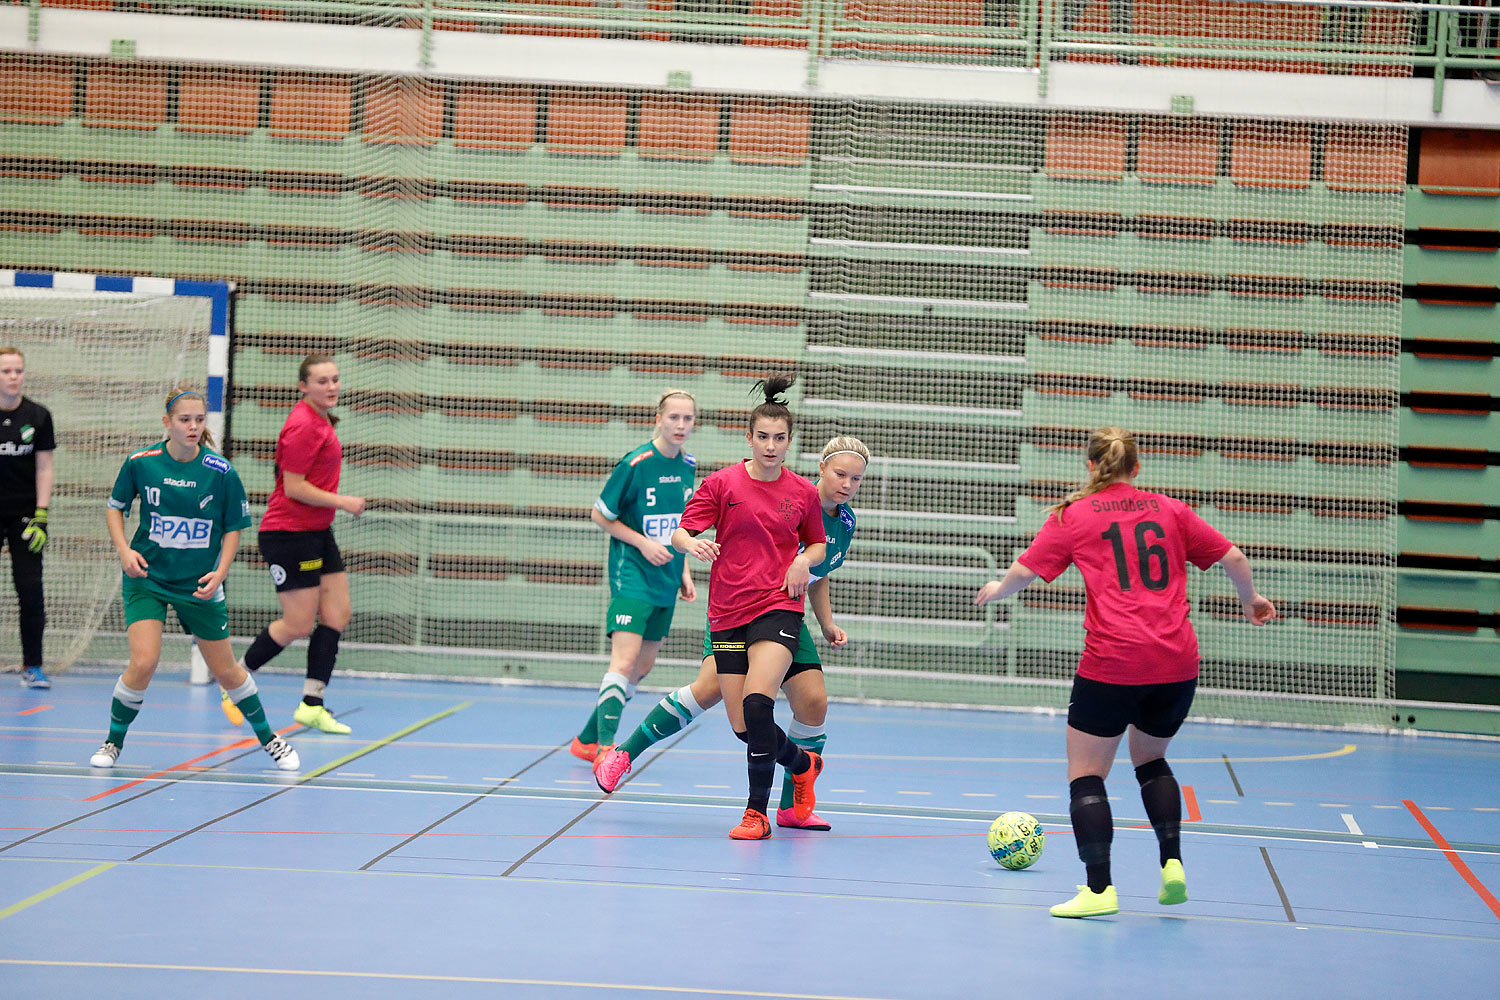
x=318, y=717
x=1173, y=884
x=1089, y=903
x=231, y=710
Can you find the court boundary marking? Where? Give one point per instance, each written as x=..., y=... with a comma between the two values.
x=429, y=978
x=1142, y=914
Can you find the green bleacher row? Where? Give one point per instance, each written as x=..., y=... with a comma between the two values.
x=258, y=150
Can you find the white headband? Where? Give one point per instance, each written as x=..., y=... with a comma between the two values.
x=846, y=451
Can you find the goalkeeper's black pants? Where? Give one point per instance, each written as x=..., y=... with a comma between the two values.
x=26, y=571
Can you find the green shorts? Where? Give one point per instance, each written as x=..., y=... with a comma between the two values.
x=146, y=600
x=628, y=614
x=806, y=654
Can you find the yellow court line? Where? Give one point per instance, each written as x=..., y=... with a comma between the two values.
x=383, y=741
x=426, y=978
x=63, y=886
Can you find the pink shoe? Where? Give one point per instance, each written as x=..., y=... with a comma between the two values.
x=609, y=767
x=788, y=818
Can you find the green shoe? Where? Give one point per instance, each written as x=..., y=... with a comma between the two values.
x=318, y=717
x=1089, y=903
x=1173, y=884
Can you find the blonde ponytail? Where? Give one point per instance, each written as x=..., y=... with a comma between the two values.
x=1115, y=458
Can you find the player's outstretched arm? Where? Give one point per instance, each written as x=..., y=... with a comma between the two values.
x=1236, y=565
x=700, y=548
x=1017, y=579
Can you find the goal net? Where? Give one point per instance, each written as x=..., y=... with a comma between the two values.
x=508, y=273
x=102, y=362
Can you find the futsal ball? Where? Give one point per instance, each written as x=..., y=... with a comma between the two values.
x=1016, y=840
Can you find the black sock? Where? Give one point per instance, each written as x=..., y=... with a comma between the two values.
x=1163, y=801
x=1093, y=827
x=767, y=745
x=262, y=650
x=322, y=651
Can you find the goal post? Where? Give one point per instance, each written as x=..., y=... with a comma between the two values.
x=101, y=353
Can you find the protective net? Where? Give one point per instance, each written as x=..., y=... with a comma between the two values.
x=102, y=363
x=509, y=273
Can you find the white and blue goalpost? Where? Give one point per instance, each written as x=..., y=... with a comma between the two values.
x=102, y=353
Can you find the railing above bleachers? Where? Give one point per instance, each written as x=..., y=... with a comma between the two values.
x=1346, y=37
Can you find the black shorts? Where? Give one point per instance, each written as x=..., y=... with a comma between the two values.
x=731, y=645
x=1101, y=709
x=298, y=559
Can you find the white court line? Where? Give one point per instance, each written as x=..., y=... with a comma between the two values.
x=903, y=791
x=711, y=786
x=1279, y=803
x=1044, y=796
x=1354, y=829
x=978, y=795
x=355, y=774
x=570, y=781
x=1222, y=802
x=1384, y=807
x=57, y=763
x=848, y=791
x=430, y=777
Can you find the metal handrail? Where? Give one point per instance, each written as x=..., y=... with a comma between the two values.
x=1443, y=36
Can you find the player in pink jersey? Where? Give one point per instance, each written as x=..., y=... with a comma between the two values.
x=1139, y=667
x=296, y=541
x=760, y=511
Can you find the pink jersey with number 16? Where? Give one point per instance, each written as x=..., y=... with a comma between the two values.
x=1132, y=548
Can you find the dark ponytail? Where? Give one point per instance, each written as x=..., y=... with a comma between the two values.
x=773, y=389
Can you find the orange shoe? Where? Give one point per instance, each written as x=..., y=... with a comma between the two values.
x=788, y=818
x=584, y=751
x=803, y=798
x=754, y=826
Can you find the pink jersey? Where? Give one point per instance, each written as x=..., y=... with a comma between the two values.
x=758, y=528
x=1132, y=548
x=308, y=446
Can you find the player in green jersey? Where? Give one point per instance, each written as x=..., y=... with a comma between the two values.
x=193, y=510
x=840, y=472
x=639, y=508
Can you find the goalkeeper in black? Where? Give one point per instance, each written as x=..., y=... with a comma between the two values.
x=26, y=446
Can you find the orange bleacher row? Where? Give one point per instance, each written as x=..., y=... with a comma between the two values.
x=330, y=107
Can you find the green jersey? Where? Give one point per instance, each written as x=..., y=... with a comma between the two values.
x=186, y=507
x=646, y=492
x=838, y=532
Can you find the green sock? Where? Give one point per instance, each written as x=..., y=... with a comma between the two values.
x=123, y=708
x=606, y=711
x=668, y=716
x=256, y=716
x=246, y=697
x=815, y=743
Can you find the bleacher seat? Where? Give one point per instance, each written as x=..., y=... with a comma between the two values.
x=125, y=96
x=312, y=107
x=586, y=122
x=37, y=91
x=219, y=100
x=494, y=116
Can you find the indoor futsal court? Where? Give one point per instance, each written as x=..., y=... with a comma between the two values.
x=451, y=847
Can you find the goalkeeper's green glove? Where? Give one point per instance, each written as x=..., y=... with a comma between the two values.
x=35, y=535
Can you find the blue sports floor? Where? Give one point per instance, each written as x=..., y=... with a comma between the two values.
x=452, y=848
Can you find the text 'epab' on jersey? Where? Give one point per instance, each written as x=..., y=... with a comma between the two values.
x=647, y=492
x=186, y=508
